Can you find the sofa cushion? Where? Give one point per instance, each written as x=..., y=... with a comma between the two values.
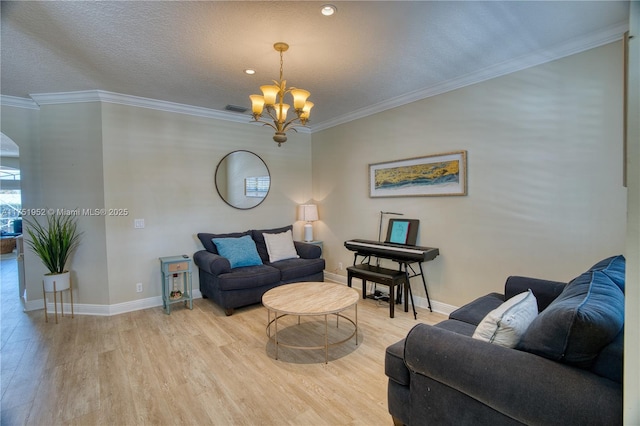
x=280, y=246
x=240, y=251
x=292, y=269
x=248, y=278
x=575, y=327
x=614, y=268
x=474, y=312
x=206, y=239
x=258, y=237
x=506, y=324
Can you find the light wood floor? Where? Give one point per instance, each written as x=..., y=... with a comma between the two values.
x=193, y=367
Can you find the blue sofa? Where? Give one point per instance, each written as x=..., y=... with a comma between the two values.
x=232, y=288
x=565, y=370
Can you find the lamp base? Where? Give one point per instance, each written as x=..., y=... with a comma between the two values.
x=308, y=232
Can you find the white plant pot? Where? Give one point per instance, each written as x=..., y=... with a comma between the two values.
x=62, y=281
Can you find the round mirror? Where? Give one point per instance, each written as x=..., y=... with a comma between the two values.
x=242, y=179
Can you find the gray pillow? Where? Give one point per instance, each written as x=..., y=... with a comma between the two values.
x=206, y=239
x=584, y=318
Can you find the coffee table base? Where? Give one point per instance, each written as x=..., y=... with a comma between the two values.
x=326, y=345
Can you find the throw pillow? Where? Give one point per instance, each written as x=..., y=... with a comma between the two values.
x=258, y=237
x=207, y=239
x=614, y=268
x=574, y=328
x=506, y=324
x=240, y=251
x=280, y=246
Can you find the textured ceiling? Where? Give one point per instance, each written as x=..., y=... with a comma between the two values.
x=368, y=56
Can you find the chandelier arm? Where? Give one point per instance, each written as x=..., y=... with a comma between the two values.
x=271, y=113
x=291, y=125
x=266, y=123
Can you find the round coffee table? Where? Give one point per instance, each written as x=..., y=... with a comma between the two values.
x=310, y=299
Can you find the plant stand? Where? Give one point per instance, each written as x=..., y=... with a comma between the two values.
x=55, y=302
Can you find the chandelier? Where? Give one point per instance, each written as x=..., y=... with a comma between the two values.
x=272, y=100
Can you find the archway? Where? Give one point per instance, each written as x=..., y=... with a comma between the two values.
x=11, y=220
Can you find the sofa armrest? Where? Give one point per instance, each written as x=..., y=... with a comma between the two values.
x=212, y=263
x=545, y=291
x=307, y=251
x=523, y=386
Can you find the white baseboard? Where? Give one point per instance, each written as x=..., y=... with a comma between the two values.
x=152, y=302
x=103, y=310
x=420, y=302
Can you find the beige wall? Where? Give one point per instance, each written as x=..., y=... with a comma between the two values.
x=61, y=168
x=545, y=195
x=160, y=166
x=71, y=176
x=632, y=308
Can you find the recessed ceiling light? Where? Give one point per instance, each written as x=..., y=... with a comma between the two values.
x=249, y=71
x=328, y=9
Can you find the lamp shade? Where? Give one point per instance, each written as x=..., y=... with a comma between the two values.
x=281, y=112
x=257, y=103
x=299, y=97
x=270, y=93
x=308, y=212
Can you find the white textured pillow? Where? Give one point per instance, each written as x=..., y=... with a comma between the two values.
x=280, y=246
x=506, y=324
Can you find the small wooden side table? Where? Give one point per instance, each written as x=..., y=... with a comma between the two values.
x=173, y=267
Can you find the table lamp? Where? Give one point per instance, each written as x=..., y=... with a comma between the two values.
x=308, y=213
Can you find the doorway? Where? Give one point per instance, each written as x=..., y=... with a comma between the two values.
x=11, y=247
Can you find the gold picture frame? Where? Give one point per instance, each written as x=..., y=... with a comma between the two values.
x=428, y=176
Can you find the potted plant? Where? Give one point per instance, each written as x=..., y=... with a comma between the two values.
x=54, y=242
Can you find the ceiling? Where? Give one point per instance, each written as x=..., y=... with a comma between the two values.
x=368, y=57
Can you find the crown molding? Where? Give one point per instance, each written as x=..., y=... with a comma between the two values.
x=14, y=101
x=568, y=48
x=40, y=99
x=65, y=97
x=135, y=101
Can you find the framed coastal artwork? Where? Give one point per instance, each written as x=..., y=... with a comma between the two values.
x=432, y=175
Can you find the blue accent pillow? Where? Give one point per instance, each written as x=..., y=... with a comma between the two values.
x=614, y=268
x=579, y=323
x=240, y=251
